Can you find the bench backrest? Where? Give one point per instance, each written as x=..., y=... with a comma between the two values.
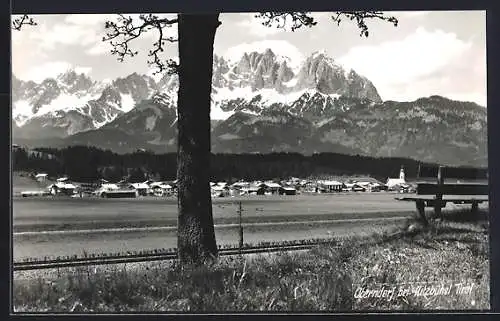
x=441, y=180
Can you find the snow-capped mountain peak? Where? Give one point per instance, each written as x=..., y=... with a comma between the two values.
x=252, y=81
x=281, y=49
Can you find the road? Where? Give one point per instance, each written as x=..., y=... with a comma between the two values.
x=64, y=226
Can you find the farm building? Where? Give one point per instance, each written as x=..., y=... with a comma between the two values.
x=402, y=188
x=252, y=190
x=106, y=187
x=363, y=184
x=141, y=188
x=376, y=187
x=86, y=188
x=287, y=190
x=329, y=186
x=309, y=186
x=41, y=177
x=239, y=187
x=161, y=189
x=220, y=191
x=109, y=187
x=358, y=188
x=270, y=187
x=110, y=190
x=62, y=188
x=348, y=186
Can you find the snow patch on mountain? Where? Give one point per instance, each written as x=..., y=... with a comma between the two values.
x=106, y=119
x=64, y=102
x=217, y=113
x=267, y=96
x=128, y=102
x=291, y=83
x=21, y=111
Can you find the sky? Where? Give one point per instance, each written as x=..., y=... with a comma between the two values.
x=428, y=53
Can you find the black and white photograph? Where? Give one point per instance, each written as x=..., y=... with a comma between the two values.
x=250, y=162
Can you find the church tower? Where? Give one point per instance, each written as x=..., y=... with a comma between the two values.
x=402, y=174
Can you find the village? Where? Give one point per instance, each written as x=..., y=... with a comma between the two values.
x=123, y=189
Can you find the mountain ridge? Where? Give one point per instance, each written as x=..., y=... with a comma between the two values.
x=260, y=104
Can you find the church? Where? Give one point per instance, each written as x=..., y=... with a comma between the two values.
x=393, y=182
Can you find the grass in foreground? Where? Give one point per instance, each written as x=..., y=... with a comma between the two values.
x=328, y=278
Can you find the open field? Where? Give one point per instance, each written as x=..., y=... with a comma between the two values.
x=60, y=244
x=40, y=214
x=66, y=226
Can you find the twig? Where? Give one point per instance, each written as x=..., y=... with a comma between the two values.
x=25, y=20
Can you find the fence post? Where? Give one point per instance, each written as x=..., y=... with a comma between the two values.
x=439, y=194
x=240, y=231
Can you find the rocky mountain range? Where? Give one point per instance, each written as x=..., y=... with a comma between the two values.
x=260, y=104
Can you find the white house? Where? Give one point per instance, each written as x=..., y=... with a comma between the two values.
x=374, y=187
x=109, y=187
x=41, y=177
x=287, y=190
x=330, y=186
x=393, y=182
x=62, y=188
x=160, y=188
x=364, y=184
x=142, y=188
x=270, y=187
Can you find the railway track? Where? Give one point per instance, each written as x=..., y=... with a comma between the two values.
x=132, y=258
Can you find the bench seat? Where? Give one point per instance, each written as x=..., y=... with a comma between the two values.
x=439, y=185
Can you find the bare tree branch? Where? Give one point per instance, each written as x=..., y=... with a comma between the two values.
x=25, y=20
x=300, y=19
x=360, y=17
x=280, y=19
x=120, y=34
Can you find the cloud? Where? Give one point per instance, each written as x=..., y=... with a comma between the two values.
x=408, y=14
x=52, y=70
x=254, y=26
x=84, y=30
x=417, y=65
x=88, y=19
x=50, y=37
x=99, y=49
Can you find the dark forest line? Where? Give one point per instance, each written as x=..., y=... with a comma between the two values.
x=86, y=164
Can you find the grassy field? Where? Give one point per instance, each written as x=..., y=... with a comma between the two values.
x=40, y=245
x=40, y=214
x=334, y=277
x=117, y=225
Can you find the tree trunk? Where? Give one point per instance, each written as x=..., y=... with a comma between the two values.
x=195, y=233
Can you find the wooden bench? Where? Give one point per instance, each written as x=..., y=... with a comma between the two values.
x=458, y=185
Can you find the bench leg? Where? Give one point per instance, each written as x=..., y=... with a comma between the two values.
x=421, y=212
x=475, y=207
x=438, y=212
